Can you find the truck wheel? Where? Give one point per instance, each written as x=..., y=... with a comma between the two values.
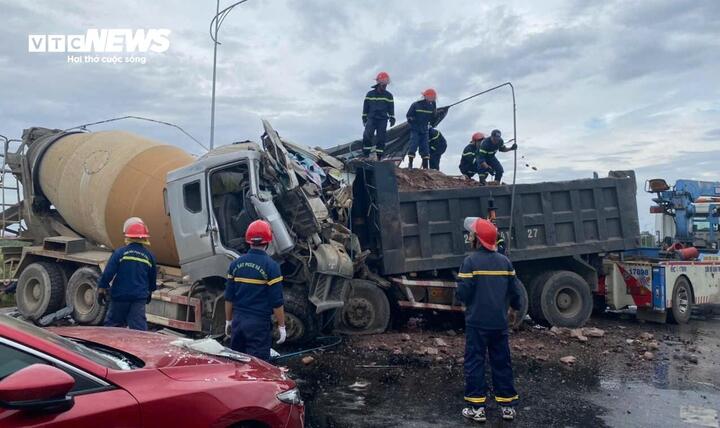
x=300, y=319
x=40, y=290
x=566, y=300
x=366, y=309
x=82, y=295
x=681, y=302
x=534, y=293
x=524, y=304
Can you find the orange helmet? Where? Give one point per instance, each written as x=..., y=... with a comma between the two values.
x=484, y=230
x=383, y=78
x=478, y=136
x=137, y=231
x=430, y=94
x=259, y=232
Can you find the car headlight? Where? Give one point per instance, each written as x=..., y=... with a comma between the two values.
x=291, y=396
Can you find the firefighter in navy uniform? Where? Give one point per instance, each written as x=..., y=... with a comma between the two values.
x=438, y=145
x=469, y=158
x=132, y=270
x=485, y=282
x=421, y=115
x=489, y=164
x=378, y=109
x=253, y=293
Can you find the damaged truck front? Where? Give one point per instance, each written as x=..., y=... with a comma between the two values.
x=78, y=187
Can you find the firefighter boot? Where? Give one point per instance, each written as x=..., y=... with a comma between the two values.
x=425, y=163
x=410, y=161
x=476, y=414
x=508, y=413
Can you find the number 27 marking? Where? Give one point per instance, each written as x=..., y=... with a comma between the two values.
x=532, y=233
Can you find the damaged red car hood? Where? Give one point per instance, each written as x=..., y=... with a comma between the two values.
x=157, y=351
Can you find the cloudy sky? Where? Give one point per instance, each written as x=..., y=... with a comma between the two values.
x=600, y=85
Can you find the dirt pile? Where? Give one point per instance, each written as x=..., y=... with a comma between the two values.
x=429, y=179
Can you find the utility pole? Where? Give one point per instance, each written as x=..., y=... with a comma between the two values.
x=215, y=24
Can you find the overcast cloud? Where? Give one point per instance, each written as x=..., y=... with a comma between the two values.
x=600, y=85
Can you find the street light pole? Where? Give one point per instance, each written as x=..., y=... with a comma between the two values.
x=215, y=24
x=212, y=110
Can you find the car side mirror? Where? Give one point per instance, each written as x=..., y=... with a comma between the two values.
x=38, y=387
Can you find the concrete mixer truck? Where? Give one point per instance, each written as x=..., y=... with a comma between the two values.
x=77, y=188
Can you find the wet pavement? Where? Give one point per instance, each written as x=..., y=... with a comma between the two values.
x=351, y=386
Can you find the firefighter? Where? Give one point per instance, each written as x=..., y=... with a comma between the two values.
x=486, y=158
x=420, y=116
x=132, y=270
x=378, y=109
x=438, y=145
x=469, y=158
x=253, y=293
x=485, y=282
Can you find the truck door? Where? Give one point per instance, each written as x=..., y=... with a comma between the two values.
x=186, y=202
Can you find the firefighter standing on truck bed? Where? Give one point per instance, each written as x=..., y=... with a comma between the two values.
x=469, y=159
x=133, y=272
x=438, y=145
x=485, y=282
x=378, y=109
x=488, y=162
x=421, y=115
x=253, y=293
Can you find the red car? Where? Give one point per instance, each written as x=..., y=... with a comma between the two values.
x=111, y=377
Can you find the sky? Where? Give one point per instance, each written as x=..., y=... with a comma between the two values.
x=600, y=86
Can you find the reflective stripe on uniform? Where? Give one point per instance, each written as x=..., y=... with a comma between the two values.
x=423, y=111
x=506, y=399
x=469, y=154
x=390, y=100
x=437, y=135
x=258, y=281
x=491, y=152
x=475, y=399
x=136, y=259
x=487, y=273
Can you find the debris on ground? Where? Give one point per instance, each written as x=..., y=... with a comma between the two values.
x=593, y=332
x=569, y=360
x=440, y=343
x=308, y=360
x=648, y=355
x=430, y=179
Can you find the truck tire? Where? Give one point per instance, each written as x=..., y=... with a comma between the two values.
x=300, y=319
x=40, y=290
x=82, y=295
x=682, y=299
x=524, y=304
x=534, y=293
x=366, y=309
x=566, y=300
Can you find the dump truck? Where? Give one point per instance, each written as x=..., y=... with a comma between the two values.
x=561, y=233
x=76, y=188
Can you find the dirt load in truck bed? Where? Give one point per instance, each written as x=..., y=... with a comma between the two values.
x=429, y=179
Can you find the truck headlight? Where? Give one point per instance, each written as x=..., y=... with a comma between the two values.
x=291, y=396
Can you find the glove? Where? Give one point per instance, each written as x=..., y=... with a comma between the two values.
x=513, y=147
x=392, y=122
x=102, y=297
x=228, y=328
x=283, y=335
x=512, y=316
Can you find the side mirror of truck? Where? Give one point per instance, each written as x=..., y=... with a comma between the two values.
x=656, y=185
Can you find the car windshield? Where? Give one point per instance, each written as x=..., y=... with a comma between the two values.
x=103, y=359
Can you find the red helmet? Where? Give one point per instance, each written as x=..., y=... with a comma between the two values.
x=137, y=230
x=430, y=94
x=383, y=78
x=484, y=230
x=259, y=232
x=478, y=136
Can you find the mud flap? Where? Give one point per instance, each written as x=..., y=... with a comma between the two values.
x=329, y=285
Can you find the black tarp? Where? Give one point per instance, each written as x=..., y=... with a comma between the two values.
x=398, y=140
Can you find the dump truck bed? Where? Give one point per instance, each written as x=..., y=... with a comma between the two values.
x=422, y=230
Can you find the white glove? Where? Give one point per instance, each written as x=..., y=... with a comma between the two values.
x=228, y=328
x=283, y=335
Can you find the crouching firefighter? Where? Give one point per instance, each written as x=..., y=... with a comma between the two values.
x=132, y=270
x=485, y=283
x=489, y=164
x=253, y=293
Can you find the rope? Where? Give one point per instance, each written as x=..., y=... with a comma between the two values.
x=337, y=341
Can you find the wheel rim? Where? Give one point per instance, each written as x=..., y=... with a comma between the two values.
x=358, y=313
x=32, y=295
x=567, y=301
x=683, y=300
x=84, y=298
x=294, y=326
